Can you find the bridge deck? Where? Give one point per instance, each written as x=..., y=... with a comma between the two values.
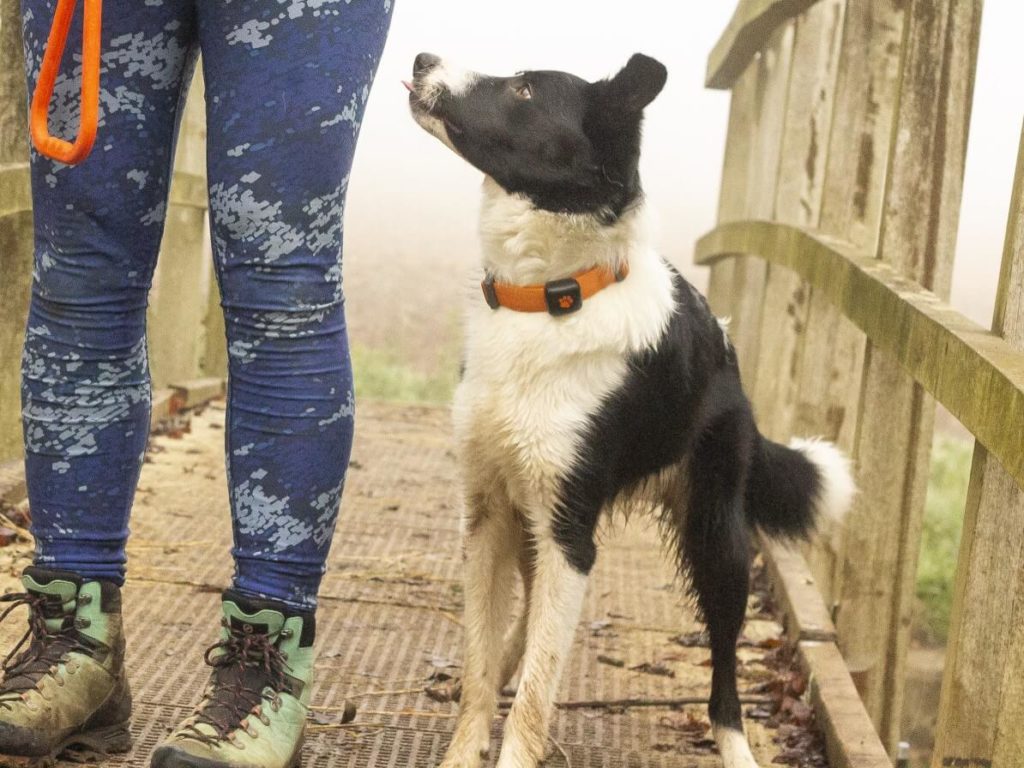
x=391, y=611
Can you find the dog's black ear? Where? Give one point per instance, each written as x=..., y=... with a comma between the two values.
x=635, y=86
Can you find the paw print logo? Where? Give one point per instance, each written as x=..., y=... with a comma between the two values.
x=566, y=302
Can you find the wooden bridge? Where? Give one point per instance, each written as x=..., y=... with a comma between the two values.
x=833, y=256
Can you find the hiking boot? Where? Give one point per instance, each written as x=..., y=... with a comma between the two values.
x=253, y=712
x=67, y=690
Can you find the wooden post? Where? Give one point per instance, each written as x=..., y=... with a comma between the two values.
x=182, y=282
x=851, y=209
x=981, y=719
x=732, y=200
x=752, y=195
x=893, y=441
x=15, y=226
x=798, y=200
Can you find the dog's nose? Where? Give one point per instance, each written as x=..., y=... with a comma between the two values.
x=425, y=62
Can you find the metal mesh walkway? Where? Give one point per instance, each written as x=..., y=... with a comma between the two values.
x=390, y=612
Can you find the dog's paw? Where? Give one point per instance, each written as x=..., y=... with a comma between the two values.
x=465, y=756
x=470, y=745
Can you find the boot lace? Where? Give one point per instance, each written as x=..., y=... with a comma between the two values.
x=46, y=648
x=245, y=665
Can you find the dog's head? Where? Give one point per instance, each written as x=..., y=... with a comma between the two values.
x=568, y=145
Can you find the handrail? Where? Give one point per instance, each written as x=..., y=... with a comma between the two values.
x=187, y=189
x=973, y=372
x=748, y=30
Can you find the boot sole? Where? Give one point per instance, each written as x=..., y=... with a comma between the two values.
x=172, y=757
x=88, y=746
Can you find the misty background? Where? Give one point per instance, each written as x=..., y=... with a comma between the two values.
x=410, y=242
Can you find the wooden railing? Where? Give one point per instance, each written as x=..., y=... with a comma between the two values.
x=838, y=217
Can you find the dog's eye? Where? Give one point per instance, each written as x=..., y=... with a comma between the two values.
x=524, y=91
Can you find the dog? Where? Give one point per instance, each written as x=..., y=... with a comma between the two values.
x=595, y=379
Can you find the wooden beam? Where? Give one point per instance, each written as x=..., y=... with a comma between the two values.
x=831, y=364
x=798, y=198
x=187, y=189
x=806, y=615
x=189, y=394
x=759, y=192
x=850, y=737
x=975, y=373
x=920, y=217
x=749, y=30
x=15, y=189
x=982, y=705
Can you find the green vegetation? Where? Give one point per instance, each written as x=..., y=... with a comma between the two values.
x=382, y=375
x=940, y=542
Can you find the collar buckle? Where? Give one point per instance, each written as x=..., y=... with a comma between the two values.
x=490, y=294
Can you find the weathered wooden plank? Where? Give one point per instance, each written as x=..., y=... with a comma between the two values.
x=752, y=23
x=189, y=394
x=851, y=203
x=918, y=238
x=13, y=96
x=187, y=189
x=849, y=735
x=774, y=69
x=15, y=225
x=969, y=369
x=182, y=280
x=982, y=704
x=163, y=405
x=732, y=200
x=797, y=201
x=806, y=616
x=15, y=189
x=12, y=482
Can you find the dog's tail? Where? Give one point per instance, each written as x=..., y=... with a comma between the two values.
x=790, y=490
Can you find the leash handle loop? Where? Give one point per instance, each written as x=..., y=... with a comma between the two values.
x=52, y=146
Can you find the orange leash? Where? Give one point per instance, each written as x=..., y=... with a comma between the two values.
x=51, y=146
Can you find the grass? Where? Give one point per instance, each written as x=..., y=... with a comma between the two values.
x=381, y=375
x=940, y=541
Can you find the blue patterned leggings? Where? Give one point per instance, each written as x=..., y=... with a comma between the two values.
x=286, y=84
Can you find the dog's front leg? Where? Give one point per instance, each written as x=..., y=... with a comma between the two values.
x=515, y=638
x=556, y=599
x=488, y=579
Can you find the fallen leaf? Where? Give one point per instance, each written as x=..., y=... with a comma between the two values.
x=648, y=668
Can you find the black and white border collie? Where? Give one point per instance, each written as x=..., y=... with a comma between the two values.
x=633, y=402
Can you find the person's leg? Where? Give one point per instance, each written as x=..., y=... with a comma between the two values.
x=85, y=379
x=85, y=383
x=286, y=87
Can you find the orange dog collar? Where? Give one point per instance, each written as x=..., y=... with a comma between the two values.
x=51, y=146
x=558, y=297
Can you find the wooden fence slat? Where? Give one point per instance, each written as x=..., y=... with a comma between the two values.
x=982, y=708
x=15, y=226
x=831, y=362
x=183, y=282
x=749, y=275
x=832, y=359
x=732, y=201
x=798, y=201
x=751, y=24
x=919, y=225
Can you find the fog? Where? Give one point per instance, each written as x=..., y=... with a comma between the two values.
x=410, y=226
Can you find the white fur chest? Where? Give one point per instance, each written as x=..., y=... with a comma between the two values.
x=533, y=381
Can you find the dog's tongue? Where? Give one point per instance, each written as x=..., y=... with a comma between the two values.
x=408, y=86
